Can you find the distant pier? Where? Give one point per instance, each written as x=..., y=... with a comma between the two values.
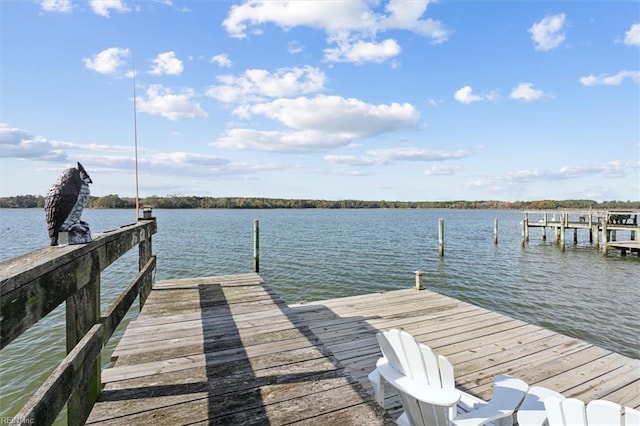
x=604, y=227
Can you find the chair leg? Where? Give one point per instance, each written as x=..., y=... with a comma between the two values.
x=378, y=387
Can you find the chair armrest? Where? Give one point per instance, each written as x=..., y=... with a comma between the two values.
x=481, y=416
x=421, y=391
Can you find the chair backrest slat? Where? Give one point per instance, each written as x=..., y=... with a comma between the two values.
x=388, y=352
x=413, y=356
x=447, y=378
x=631, y=417
x=604, y=413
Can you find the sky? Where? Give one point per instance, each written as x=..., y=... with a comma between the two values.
x=410, y=100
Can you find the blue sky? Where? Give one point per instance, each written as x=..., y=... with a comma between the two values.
x=355, y=99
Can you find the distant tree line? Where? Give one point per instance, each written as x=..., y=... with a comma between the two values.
x=113, y=201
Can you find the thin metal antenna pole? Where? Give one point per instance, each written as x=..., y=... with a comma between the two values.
x=135, y=136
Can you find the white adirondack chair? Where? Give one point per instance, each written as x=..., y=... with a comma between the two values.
x=572, y=412
x=425, y=383
x=631, y=417
x=532, y=412
x=423, y=380
x=508, y=393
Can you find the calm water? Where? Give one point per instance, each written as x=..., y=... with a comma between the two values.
x=319, y=254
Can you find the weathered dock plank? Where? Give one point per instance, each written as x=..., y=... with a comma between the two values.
x=479, y=343
x=226, y=350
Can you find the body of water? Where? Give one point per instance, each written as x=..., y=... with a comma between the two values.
x=319, y=254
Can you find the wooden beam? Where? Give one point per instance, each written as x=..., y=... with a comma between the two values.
x=114, y=314
x=45, y=404
x=34, y=284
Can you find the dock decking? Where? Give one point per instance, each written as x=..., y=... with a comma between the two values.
x=480, y=344
x=227, y=350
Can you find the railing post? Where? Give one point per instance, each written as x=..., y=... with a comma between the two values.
x=256, y=246
x=82, y=312
x=145, y=251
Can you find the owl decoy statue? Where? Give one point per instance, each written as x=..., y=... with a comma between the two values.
x=64, y=204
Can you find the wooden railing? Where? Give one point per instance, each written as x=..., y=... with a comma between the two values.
x=34, y=284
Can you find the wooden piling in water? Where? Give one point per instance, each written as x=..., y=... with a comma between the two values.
x=605, y=235
x=441, y=237
x=562, y=232
x=419, y=275
x=256, y=246
x=495, y=231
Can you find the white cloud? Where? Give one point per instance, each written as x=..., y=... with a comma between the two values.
x=632, y=37
x=317, y=124
x=465, y=95
x=60, y=6
x=108, y=61
x=385, y=156
x=520, y=179
x=547, y=34
x=441, y=170
x=416, y=154
x=610, y=80
x=179, y=160
x=166, y=63
x=339, y=116
x=222, y=60
x=330, y=16
x=611, y=169
x=361, y=51
x=280, y=141
x=352, y=160
x=405, y=15
x=295, y=47
x=608, y=170
x=353, y=24
x=104, y=7
x=18, y=143
x=259, y=84
x=162, y=101
x=526, y=92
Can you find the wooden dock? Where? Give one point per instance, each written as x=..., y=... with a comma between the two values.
x=480, y=344
x=226, y=350
x=602, y=227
